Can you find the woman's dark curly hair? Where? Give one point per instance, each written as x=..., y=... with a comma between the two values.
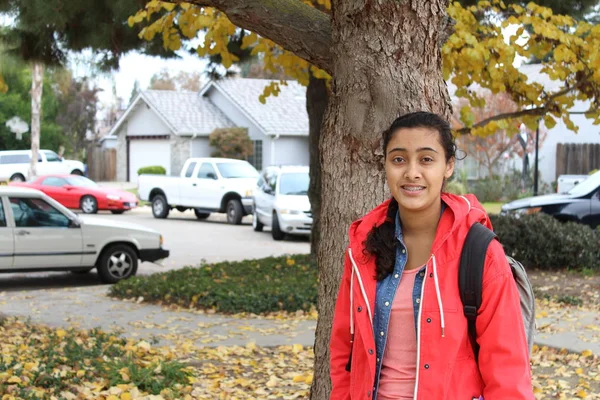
x=380, y=242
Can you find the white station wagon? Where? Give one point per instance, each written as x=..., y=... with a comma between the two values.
x=39, y=234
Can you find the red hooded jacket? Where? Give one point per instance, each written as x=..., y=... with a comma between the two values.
x=446, y=368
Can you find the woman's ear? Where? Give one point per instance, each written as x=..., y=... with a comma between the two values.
x=449, y=168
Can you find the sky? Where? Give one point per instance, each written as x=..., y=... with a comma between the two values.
x=134, y=66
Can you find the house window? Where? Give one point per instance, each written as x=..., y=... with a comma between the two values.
x=257, y=158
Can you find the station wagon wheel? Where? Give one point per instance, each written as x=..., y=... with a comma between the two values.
x=89, y=205
x=235, y=212
x=117, y=262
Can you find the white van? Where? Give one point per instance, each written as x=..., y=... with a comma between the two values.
x=14, y=164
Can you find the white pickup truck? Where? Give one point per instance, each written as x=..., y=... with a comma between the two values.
x=206, y=185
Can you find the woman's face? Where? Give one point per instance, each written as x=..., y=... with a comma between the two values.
x=416, y=167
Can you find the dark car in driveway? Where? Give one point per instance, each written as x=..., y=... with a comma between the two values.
x=580, y=204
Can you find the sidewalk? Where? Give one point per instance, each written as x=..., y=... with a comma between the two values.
x=89, y=307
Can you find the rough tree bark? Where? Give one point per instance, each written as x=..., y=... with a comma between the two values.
x=36, y=110
x=317, y=97
x=386, y=62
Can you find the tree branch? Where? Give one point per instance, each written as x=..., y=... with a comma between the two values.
x=295, y=26
x=533, y=112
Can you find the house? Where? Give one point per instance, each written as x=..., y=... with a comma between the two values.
x=559, y=134
x=167, y=127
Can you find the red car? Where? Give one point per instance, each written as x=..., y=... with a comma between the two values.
x=74, y=191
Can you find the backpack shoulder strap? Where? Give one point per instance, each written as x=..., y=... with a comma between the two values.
x=470, y=275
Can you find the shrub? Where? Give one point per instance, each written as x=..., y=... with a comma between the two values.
x=153, y=170
x=488, y=190
x=265, y=285
x=231, y=143
x=541, y=241
x=456, y=187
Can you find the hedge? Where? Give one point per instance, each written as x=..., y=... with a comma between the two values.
x=152, y=170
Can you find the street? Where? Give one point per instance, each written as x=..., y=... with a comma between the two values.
x=189, y=241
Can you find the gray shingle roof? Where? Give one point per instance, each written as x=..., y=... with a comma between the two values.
x=285, y=114
x=187, y=112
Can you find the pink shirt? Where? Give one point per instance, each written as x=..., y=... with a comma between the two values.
x=399, y=366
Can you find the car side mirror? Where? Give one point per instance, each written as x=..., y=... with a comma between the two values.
x=73, y=223
x=268, y=190
x=211, y=175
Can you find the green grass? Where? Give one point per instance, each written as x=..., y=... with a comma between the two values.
x=492, y=208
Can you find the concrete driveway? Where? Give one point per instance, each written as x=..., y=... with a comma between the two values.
x=189, y=241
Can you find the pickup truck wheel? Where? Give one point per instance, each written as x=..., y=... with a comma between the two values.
x=235, y=212
x=201, y=215
x=276, y=231
x=160, y=207
x=256, y=224
x=117, y=262
x=88, y=204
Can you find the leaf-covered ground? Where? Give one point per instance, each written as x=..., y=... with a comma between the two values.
x=37, y=362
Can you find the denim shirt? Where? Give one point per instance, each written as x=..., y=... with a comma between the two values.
x=386, y=291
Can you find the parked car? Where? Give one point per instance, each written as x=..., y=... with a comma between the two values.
x=206, y=185
x=14, y=165
x=281, y=201
x=564, y=183
x=38, y=234
x=580, y=204
x=79, y=192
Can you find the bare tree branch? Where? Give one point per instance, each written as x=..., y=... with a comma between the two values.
x=293, y=25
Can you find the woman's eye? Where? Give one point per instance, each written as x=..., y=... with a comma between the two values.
x=427, y=159
x=398, y=159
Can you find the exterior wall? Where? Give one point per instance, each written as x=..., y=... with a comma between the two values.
x=143, y=121
x=180, y=152
x=200, y=147
x=235, y=115
x=588, y=133
x=290, y=150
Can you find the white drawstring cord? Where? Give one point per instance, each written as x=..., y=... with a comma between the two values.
x=362, y=288
x=439, y=297
x=352, y=305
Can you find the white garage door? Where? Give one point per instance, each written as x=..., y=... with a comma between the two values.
x=144, y=153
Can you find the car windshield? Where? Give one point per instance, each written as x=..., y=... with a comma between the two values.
x=586, y=186
x=80, y=181
x=237, y=170
x=294, y=183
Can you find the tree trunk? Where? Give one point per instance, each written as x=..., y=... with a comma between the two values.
x=316, y=104
x=386, y=62
x=36, y=110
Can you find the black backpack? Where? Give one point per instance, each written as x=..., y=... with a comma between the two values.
x=470, y=277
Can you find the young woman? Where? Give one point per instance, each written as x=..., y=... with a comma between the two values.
x=399, y=331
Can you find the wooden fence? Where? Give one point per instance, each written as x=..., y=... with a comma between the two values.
x=102, y=164
x=577, y=159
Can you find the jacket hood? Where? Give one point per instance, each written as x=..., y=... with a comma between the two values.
x=460, y=214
